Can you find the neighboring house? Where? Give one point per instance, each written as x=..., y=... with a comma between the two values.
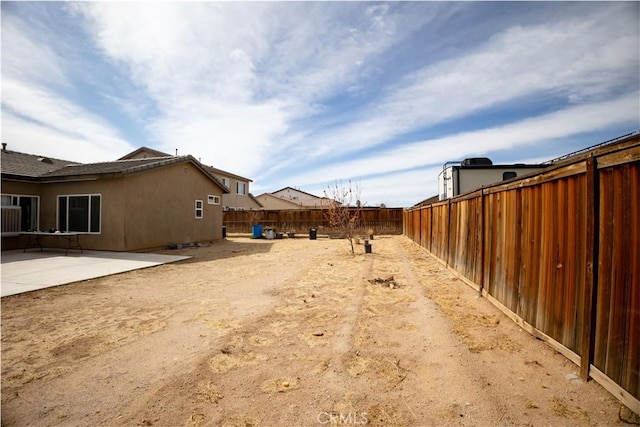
x=462, y=177
x=272, y=203
x=301, y=198
x=120, y=205
x=238, y=197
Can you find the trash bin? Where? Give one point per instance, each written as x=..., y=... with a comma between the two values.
x=312, y=234
x=256, y=232
x=367, y=248
x=224, y=232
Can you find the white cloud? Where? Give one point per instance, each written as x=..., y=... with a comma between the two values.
x=34, y=138
x=578, y=60
x=27, y=56
x=65, y=120
x=572, y=121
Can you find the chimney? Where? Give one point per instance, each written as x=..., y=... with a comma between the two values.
x=4, y=147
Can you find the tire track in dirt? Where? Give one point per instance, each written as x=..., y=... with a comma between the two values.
x=509, y=377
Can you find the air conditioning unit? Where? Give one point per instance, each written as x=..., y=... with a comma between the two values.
x=477, y=161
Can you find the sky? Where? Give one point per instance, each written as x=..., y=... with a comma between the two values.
x=310, y=94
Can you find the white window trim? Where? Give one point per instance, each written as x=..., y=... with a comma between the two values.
x=212, y=199
x=244, y=187
x=226, y=182
x=80, y=195
x=201, y=209
x=31, y=196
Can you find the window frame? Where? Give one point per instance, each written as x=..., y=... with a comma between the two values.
x=505, y=173
x=90, y=212
x=212, y=199
x=226, y=182
x=15, y=201
x=199, y=209
x=244, y=188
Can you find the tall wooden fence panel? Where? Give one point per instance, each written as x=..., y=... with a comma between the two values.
x=559, y=251
x=617, y=332
x=380, y=220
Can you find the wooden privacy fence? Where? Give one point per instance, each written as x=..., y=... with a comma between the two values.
x=380, y=220
x=559, y=252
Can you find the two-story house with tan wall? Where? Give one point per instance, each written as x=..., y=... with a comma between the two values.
x=237, y=198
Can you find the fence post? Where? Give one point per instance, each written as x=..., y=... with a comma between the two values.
x=430, y=227
x=446, y=259
x=481, y=230
x=591, y=276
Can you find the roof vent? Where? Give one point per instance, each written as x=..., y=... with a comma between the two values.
x=46, y=160
x=477, y=161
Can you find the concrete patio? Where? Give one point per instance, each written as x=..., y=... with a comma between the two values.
x=32, y=270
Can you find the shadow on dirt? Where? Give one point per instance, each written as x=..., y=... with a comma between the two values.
x=222, y=249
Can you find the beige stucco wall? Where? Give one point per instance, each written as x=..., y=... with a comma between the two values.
x=270, y=202
x=233, y=200
x=161, y=207
x=20, y=188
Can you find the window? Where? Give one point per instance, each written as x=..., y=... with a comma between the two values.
x=241, y=188
x=225, y=181
x=26, y=208
x=79, y=213
x=199, y=209
x=213, y=200
x=508, y=175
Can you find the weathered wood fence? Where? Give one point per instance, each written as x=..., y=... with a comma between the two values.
x=559, y=252
x=380, y=220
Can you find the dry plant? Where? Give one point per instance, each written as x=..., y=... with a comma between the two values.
x=343, y=210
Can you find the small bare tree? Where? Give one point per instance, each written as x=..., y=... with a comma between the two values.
x=255, y=216
x=342, y=210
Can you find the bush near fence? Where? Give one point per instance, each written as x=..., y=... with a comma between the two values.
x=380, y=220
x=559, y=252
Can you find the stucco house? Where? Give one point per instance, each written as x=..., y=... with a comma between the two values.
x=270, y=202
x=119, y=205
x=292, y=198
x=237, y=198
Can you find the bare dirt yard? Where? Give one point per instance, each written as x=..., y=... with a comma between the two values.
x=292, y=332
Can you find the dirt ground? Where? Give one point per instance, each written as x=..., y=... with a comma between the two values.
x=293, y=332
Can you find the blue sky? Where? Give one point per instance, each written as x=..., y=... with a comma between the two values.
x=304, y=94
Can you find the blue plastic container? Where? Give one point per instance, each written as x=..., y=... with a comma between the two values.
x=256, y=232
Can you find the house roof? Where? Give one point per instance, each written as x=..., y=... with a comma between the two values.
x=279, y=199
x=255, y=200
x=21, y=166
x=299, y=191
x=121, y=167
x=156, y=153
x=151, y=151
x=29, y=165
x=431, y=200
x=216, y=171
